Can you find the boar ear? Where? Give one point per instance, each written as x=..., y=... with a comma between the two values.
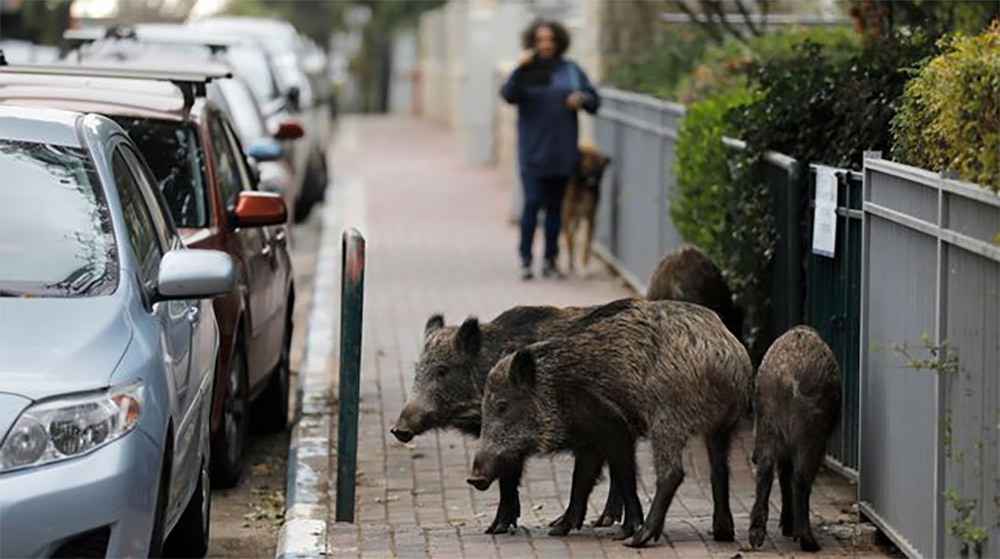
x=435, y=322
x=522, y=368
x=469, y=338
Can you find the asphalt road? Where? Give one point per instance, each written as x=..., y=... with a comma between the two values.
x=246, y=518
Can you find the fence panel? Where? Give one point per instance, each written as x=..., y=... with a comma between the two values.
x=635, y=228
x=929, y=437
x=833, y=306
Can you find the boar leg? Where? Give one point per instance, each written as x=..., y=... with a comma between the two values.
x=612, y=508
x=805, y=466
x=509, y=508
x=718, y=456
x=621, y=462
x=787, y=523
x=758, y=517
x=667, y=457
x=585, y=472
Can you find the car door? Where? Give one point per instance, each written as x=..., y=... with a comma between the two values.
x=276, y=237
x=251, y=245
x=175, y=319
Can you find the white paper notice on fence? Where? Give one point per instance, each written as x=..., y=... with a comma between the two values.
x=825, y=215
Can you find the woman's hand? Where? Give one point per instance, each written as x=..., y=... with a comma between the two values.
x=576, y=100
x=525, y=58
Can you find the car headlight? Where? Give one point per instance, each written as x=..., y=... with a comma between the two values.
x=68, y=427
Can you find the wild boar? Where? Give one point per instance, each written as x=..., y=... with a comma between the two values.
x=450, y=376
x=666, y=370
x=798, y=406
x=688, y=274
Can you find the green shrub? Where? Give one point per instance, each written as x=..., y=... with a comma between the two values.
x=703, y=175
x=950, y=116
x=724, y=67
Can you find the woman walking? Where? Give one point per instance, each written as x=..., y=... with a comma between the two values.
x=548, y=90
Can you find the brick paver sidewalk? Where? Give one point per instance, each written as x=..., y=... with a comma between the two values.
x=438, y=241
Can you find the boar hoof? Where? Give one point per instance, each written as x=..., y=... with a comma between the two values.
x=502, y=526
x=642, y=537
x=786, y=529
x=808, y=543
x=559, y=529
x=757, y=536
x=723, y=534
x=607, y=519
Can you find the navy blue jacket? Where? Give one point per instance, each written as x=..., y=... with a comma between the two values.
x=547, y=129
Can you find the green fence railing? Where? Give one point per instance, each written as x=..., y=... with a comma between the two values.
x=833, y=305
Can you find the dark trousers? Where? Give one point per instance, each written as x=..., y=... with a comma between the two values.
x=541, y=193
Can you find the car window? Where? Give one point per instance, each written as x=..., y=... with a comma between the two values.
x=226, y=170
x=252, y=64
x=175, y=157
x=161, y=221
x=236, y=149
x=141, y=231
x=56, y=233
x=243, y=110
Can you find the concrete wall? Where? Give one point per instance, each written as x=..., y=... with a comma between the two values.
x=403, y=95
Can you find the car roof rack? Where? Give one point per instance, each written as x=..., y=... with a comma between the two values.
x=124, y=32
x=191, y=84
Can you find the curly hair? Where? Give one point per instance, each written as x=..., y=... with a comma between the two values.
x=559, y=33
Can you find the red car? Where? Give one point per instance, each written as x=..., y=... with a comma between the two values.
x=192, y=150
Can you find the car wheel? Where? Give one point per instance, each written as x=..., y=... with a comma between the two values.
x=189, y=537
x=273, y=403
x=160, y=512
x=229, y=442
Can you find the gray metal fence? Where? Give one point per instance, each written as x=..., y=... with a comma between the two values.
x=930, y=457
x=634, y=228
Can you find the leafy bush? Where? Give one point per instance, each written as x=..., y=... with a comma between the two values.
x=820, y=106
x=703, y=175
x=950, y=116
x=724, y=67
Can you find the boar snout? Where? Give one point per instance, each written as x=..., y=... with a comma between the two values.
x=484, y=468
x=411, y=421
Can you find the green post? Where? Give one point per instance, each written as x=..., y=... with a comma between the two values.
x=352, y=284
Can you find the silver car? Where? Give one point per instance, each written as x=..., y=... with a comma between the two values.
x=107, y=348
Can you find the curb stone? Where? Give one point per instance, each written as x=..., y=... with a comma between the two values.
x=303, y=533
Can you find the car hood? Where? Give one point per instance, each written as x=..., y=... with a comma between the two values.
x=53, y=346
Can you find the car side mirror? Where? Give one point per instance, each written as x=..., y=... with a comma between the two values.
x=289, y=130
x=260, y=209
x=194, y=274
x=266, y=149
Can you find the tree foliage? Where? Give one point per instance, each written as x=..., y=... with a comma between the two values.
x=950, y=115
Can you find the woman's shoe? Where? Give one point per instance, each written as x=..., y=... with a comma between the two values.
x=526, y=273
x=551, y=270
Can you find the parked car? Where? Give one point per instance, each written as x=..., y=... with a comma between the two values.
x=109, y=348
x=136, y=46
x=202, y=173
x=289, y=54
x=280, y=103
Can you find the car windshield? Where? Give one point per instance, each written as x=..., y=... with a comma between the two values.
x=174, y=155
x=252, y=65
x=56, y=237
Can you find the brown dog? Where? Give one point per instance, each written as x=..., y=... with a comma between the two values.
x=580, y=204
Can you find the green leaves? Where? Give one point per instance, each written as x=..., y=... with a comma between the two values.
x=949, y=119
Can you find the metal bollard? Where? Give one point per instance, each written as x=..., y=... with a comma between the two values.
x=352, y=290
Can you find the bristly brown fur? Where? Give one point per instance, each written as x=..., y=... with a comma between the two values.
x=667, y=370
x=798, y=406
x=688, y=274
